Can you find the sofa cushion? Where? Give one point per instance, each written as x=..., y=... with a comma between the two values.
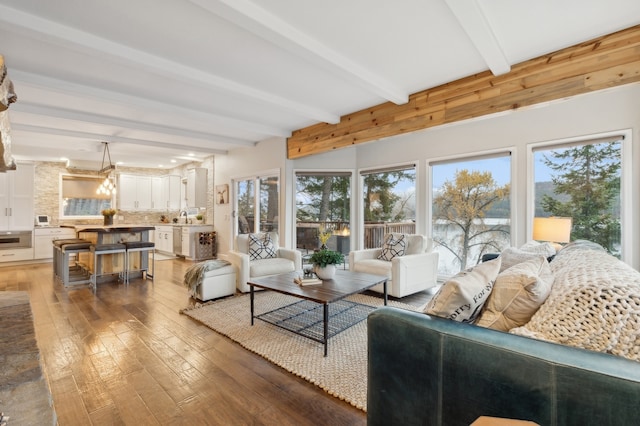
x=273, y=266
x=261, y=247
x=512, y=256
x=373, y=266
x=545, y=249
x=393, y=246
x=517, y=294
x=594, y=304
x=462, y=297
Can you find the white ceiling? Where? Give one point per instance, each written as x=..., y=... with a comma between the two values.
x=163, y=79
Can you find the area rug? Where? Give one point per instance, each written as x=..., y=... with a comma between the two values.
x=343, y=373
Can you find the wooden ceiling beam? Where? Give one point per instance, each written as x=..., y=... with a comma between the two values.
x=607, y=61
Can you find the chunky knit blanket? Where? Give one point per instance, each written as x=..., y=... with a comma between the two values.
x=594, y=304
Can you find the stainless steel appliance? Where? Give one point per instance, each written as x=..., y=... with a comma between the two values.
x=177, y=240
x=15, y=239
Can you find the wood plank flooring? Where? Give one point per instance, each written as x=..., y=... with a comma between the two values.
x=125, y=355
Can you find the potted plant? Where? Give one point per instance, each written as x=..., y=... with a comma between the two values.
x=325, y=261
x=108, y=216
x=199, y=218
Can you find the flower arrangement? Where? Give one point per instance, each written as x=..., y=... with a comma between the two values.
x=108, y=212
x=322, y=258
x=324, y=236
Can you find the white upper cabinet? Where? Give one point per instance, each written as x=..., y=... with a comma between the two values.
x=135, y=192
x=16, y=198
x=197, y=187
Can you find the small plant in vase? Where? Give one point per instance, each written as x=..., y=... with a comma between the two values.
x=199, y=218
x=323, y=236
x=108, y=216
x=325, y=261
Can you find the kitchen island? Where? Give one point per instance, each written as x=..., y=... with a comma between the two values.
x=108, y=267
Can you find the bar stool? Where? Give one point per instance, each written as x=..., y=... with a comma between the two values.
x=58, y=258
x=103, y=249
x=78, y=273
x=139, y=247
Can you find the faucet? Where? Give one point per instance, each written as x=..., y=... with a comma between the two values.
x=183, y=213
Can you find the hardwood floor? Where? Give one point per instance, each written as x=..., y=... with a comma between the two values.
x=127, y=356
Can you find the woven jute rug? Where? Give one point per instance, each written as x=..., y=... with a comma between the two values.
x=343, y=373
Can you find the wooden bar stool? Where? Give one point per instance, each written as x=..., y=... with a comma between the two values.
x=104, y=249
x=140, y=247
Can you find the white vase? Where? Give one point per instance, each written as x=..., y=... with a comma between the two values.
x=325, y=273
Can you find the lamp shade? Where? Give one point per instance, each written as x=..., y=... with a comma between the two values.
x=552, y=229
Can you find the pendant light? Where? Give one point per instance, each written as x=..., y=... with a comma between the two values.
x=107, y=187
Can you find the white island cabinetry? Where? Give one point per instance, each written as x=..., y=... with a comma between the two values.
x=44, y=237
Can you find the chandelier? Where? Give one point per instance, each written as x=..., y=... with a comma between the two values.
x=107, y=187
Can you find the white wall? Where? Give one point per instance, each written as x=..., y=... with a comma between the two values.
x=599, y=112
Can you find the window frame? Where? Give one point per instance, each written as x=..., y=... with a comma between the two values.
x=61, y=199
x=626, y=175
x=510, y=151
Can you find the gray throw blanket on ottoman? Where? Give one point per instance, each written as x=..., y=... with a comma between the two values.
x=195, y=273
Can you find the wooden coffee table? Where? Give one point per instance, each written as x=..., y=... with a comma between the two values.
x=300, y=317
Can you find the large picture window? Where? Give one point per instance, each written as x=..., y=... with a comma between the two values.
x=79, y=198
x=257, y=204
x=582, y=181
x=471, y=209
x=323, y=205
x=389, y=203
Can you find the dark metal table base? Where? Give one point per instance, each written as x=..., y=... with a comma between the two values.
x=316, y=321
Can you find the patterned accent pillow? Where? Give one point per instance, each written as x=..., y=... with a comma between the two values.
x=393, y=247
x=261, y=247
x=462, y=297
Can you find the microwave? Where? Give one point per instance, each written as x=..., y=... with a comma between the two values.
x=42, y=220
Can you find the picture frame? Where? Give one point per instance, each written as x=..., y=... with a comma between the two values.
x=222, y=194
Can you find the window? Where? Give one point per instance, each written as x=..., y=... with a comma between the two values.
x=389, y=203
x=471, y=209
x=582, y=180
x=323, y=203
x=263, y=204
x=79, y=197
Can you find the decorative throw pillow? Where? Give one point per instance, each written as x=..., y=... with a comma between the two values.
x=545, y=249
x=261, y=247
x=393, y=246
x=512, y=256
x=462, y=297
x=517, y=294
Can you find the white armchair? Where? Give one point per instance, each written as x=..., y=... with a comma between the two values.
x=415, y=271
x=286, y=260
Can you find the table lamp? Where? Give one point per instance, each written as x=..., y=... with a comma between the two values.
x=553, y=229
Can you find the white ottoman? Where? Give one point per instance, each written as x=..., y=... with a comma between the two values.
x=216, y=283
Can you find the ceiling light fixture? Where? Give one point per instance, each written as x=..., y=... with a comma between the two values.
x=107, y=187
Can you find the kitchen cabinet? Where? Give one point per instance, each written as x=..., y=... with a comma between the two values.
x=134, y=192
x=16, y=198
x=165, y=192
x=43, y=238
x=163, y=238
x=197, y=187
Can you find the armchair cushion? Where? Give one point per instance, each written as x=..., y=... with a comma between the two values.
x=270, y=266
x=393, y=247
x=261, y=247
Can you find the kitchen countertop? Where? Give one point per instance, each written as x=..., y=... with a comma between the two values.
x=114, y=228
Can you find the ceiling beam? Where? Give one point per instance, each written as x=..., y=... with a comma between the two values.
x=605, y=62
x=65, y=87
x=474, y=22
x=101, y=48
x=19, y=127
x=67, y=114
x=255, y=19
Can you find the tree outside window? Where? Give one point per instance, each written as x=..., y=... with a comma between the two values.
x=471, y=214
x=582, y=182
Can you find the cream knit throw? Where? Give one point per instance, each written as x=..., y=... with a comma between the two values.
x=594, y=304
